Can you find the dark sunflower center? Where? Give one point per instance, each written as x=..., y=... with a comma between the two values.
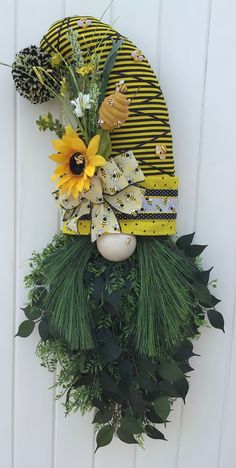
x=77, y=163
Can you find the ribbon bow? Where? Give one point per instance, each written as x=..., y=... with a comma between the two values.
x=112, y=188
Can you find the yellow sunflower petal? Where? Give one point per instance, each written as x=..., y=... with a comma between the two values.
x=80, y=183
x=97, y=160
x=67, y=140
x=72, y=184
x=78, y=145
x=89, y=170
x=60, y=170
x=67, y=186
x=63, y=179
x=54, y=177
x=87, y=184
x=61, y=146
x=71, y=132
x=60, y=158
x=77, y=188
x=93, y=146
x=75, y=193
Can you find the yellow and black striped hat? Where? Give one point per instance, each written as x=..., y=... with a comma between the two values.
x=146, y=132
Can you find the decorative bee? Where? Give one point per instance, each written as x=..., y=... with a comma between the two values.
x=161, y=151
x=137, y=55
x=149, y=201
x=120, y=165
x=115, y=189
x=121, y=87
x=116, y=228
x=116, y=175
x=84, y=23
x=134, y=212
x=130, y=196
x=119, y=204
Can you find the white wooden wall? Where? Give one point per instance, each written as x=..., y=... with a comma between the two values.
x=191, y=45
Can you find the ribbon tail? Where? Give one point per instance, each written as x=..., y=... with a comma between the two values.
x=103, y=221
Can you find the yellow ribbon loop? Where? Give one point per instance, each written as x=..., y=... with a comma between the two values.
x=112, y=189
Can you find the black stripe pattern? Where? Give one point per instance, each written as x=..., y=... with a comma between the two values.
x=148, y=124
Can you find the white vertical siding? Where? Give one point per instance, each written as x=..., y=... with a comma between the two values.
x=191, y=45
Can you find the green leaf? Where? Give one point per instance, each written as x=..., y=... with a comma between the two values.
x=102, y=417
x=38, y=295
x=204, y=276
x=194, y=250
x=104, y=436
x=112, y=301
x=214, y=300
x=98, y=285
x=162, y=407
x=126, y=369
x=170, y=372
x=182, y=387
x=32, y=312
x=44, y=330
x=153, y=417
x=105, y=143
x=108, y=66
x=185, y=241
x=185, y=351
x=126, y=436
x=152, y=432
x=216, y=319
x=25, y=329
x=168, y=388
x=85, y=379
x=110, y=351
x=136, y=401
x=131, y=425
x=202, y=293
x=146, y=364
x=108, y=384
x=186, y=368
x=146, y=383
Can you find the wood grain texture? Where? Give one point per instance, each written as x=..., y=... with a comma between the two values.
x=191, y=45
x=36, y=220
x=7, y=237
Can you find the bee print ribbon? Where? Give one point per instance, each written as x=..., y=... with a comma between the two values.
x=112, y=189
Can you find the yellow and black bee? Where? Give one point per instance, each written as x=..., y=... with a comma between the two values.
x=119, y=204
x=102, y=172
x=116, y=228
x=130, y=196
x=114, y=189
x=149, y=201
x=116, y=175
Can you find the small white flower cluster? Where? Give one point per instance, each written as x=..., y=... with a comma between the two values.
x=81, y=103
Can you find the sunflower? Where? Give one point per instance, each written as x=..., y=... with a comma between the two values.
x=76, y=162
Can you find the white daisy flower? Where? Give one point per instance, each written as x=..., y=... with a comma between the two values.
x=81, y=103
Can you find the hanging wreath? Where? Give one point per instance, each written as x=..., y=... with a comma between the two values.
x=116, y=300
